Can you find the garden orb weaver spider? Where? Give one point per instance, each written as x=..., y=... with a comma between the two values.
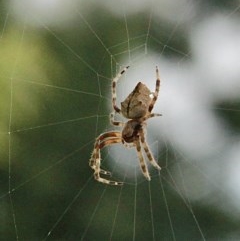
x=137, y=108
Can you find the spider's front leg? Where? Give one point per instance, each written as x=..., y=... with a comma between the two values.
x=141, y=161
x=103, y=140
x=148, y=151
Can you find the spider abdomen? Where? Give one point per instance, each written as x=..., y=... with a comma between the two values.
x=136, y=104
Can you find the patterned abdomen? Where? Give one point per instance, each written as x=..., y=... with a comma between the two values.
x=136, y=104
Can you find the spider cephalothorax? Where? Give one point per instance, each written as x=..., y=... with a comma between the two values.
x=130, y=132
x=137, y=107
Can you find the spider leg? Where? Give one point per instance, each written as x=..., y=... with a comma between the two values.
x=99, y=143
x=148, y=152
x=103, y=140
x=114, y=92
x=113, y=122
x=155, y=94
x=141, y=161
x=102, y=145
x=149, y=116
x=95, y=154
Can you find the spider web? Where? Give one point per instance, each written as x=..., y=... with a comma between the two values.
x=57, y=62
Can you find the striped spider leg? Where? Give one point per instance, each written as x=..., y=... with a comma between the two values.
x=105, y=139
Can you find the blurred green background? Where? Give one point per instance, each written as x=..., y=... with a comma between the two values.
x=55, y=78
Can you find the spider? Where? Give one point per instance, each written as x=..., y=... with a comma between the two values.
x=137, y=108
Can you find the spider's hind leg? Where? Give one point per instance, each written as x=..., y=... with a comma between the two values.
x=150, y=115
x=113, y=121
x=155, y=94
x=114, y=92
